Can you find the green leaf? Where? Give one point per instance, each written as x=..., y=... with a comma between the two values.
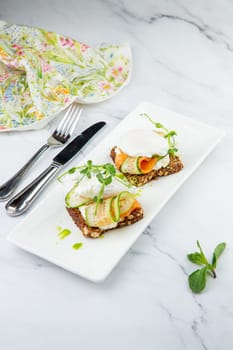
x=217, y=252
x=172, y=150
x=197, y=280
x=110, y=169
x=197, y=258
x=100, y=178
x=72, y=170
x=107, y=180
x=158, y=125
x=171, y=133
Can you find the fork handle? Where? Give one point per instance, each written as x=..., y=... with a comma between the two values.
x=24, y=199
x=8, y=187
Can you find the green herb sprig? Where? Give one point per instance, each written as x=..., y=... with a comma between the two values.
x=104, y=173
x=197, y=279
x=169, y=135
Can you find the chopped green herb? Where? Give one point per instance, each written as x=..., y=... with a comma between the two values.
x=77, y=246
x=64, y=233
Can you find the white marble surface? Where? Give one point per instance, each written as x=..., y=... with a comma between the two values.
x=183, y=60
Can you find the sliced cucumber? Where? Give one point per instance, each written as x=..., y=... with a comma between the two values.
x=122, y=204
x=109, y=211
x=115, y=208
x=138, y=167
x=130, y=166
x=74, y=200
x=102, y=217
x=126, y=202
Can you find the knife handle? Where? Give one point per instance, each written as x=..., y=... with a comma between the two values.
x=8, y=187
x=24, y=199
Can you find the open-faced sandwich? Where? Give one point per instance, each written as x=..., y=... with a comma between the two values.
x=144, y=155
x=100, y=201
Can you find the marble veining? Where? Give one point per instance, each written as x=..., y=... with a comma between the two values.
x=182, y=60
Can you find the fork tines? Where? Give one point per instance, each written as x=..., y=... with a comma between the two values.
x=68, y=123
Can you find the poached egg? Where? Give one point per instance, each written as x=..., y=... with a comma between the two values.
x=145, y=143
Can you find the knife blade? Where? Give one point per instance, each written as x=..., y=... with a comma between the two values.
x=75, y=146
x=24, y=199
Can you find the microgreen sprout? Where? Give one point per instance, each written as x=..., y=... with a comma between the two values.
x=104, y=174
x=168, y=134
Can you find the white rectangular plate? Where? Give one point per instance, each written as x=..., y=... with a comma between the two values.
x=97, y=257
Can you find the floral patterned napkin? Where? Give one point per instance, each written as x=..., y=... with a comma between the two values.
x=43, y=72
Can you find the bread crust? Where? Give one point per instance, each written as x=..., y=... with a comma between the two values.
x=174, y=166
x=95, y=232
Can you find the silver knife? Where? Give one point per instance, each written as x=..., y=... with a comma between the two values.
x=24, y=199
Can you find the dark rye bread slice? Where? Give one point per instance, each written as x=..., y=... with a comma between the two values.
x=173, y=167
x=95, y=232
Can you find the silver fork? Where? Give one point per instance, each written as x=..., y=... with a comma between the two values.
x=60, y=136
